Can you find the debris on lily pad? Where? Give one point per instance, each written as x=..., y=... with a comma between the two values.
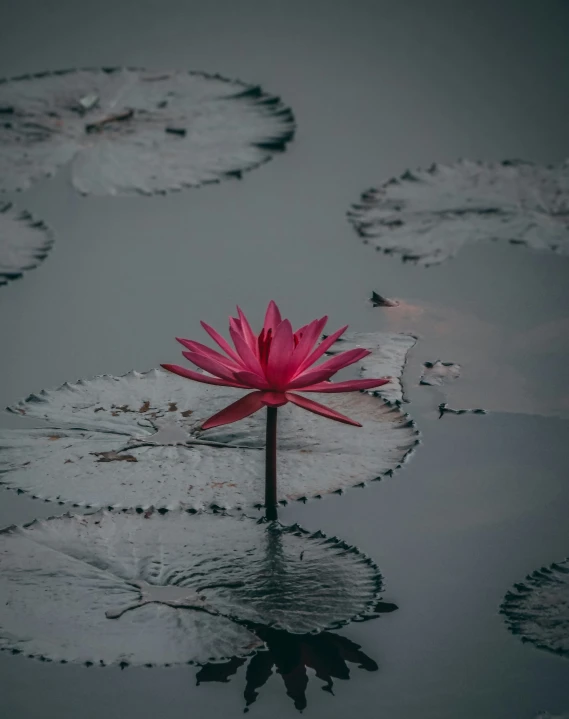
x=24, y=242
x=378, y=300
x=160, y=589
x=538, y=608
x=445, y=409
x=126, y=130
x=387, y=359
x=426, y=216
x=136, y=441
x=439, y=373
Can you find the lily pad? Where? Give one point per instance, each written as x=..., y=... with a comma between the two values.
x=135, y=441
x=387, y=359
x=137, y=588
x=127, y=130
x=437, y=374
x=24, y=242
x=538, y=608
x=428, y=215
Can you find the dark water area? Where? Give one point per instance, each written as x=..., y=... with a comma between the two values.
x=376, y=87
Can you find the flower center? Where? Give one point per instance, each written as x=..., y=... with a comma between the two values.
x=264, y=343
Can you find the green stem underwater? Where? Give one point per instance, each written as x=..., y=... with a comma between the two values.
x=271, y=465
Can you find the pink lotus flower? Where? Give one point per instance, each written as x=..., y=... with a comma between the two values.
x=275, y=364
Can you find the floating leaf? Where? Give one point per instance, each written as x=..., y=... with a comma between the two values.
x=445, y=409
x=24, y=242
x=135, y=441
x=538, y=608
x=506, y=366
x=166, y=589
x=378, y=300
x=428, y=215
x=387, y=359
x=439, y=373
x=131, y=130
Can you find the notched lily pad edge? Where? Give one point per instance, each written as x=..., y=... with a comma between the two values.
x=410, y=423
x=39, y=254
x=508, y=606
x=366, y=615
x=18, y=409
x=367, y=198
x=249, y=91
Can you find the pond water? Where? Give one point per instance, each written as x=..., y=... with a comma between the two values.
x=376, y=87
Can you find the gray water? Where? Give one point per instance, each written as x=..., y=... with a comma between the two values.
x=376, y=87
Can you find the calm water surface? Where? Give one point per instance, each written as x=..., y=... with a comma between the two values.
x=376, y=87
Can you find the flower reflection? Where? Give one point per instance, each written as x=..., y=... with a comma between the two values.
x=291, y=655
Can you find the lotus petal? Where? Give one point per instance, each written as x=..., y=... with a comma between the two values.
x=320, y=409
x=387, y=359
x=272, y=317
x=244, y=407
x=136, y=441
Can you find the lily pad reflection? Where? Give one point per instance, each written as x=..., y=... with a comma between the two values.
x=426, y=216
x=125, y=130
x=538, y=608
x=328, y=655
x=147, y=588
x=135, y=441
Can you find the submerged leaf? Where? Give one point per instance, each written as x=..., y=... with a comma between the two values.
x=538, y=608
x=155, y=418
x=439, y=373
x=24, y=242
x=445, y=409
x=387, y=359
x=167, y=589
x=378, y=300
x=131, y=130
x=428, y=215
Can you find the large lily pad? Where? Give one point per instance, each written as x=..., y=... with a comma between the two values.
x=538, y=608
x=135, y=441
x=387, y=359
x=131, y=130
x=166, y=589
x=428, y=215
x=24, y=242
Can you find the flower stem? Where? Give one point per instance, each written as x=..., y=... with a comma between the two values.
x=271, y=465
